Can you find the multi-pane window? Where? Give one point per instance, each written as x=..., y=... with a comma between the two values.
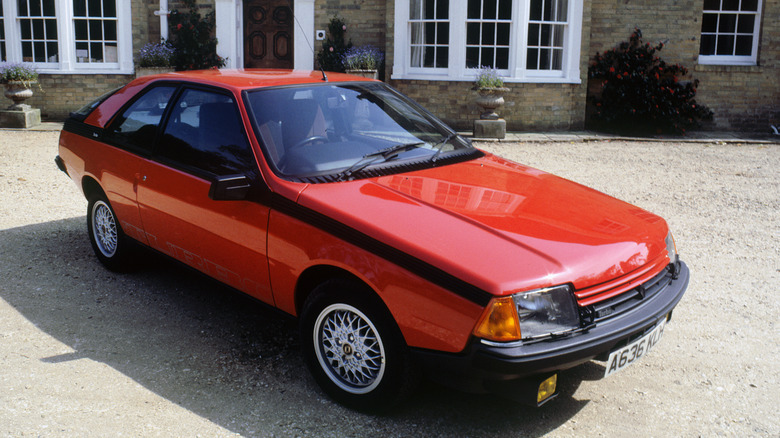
x=488, y=32
x=729, y=30
x=429, y=30
x=546, y=30
x=38, y=26
x=2, y=34
x=524, y=40
x=95, y=24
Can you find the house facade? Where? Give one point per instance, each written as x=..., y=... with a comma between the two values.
x=542, y=48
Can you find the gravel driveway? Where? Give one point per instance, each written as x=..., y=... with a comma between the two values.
x=163, y=352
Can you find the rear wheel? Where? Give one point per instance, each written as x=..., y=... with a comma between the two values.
x=353, y=348
x=108, y=241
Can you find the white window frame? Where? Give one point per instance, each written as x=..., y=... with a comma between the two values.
x=736, y=59
x=517, y=72
x=66, y=37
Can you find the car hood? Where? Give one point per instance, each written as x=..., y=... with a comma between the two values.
x=499, y=225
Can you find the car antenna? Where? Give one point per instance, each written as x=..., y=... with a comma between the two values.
x=324, y=76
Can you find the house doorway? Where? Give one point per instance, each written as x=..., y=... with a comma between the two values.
x=268, y=34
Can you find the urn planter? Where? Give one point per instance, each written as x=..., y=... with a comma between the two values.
x=490, y=98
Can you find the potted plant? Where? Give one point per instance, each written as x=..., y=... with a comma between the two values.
x=490, y=87
x=155, y=58
x=18, y=80
x=363, y=61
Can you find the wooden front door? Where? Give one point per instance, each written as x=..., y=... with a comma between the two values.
x=268, y=33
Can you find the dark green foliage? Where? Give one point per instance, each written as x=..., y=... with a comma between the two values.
x=642, y=94
x=192, y=37
x=330, y=56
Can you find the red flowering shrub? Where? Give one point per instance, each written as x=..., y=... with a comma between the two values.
x=193, y=38
x=642, y=94
x=334, y=46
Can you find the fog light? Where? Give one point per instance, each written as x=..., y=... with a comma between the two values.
x=547, y=389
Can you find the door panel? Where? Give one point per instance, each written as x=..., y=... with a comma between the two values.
x=268, y=34
x=204, y=137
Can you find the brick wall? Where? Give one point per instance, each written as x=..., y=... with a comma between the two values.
x=62, y=94
x=743, y=98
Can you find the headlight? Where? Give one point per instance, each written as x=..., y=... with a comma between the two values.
x=546, y=311
x=671, y=248
x=528, y=315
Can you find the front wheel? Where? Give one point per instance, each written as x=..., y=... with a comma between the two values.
x=353, y=348
x=108, y=241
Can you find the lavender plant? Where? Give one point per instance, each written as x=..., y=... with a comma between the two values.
x=487, y=77
x=17, y=72
x=362, y=58
x=156, y=55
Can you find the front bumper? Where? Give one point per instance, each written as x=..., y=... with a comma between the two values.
x=482, y=367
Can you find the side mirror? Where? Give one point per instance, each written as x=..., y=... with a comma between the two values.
x=230, y=188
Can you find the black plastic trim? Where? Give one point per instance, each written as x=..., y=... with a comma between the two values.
x=381, y=249
x=80, y=128
x=483, y=363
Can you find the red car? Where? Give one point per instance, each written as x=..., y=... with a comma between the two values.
x=400, y=247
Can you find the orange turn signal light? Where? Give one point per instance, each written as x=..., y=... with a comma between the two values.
x=499, y=321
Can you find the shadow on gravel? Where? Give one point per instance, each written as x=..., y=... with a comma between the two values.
x=217, y=353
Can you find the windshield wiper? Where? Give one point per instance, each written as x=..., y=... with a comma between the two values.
x=440, y=146
x=368, y=159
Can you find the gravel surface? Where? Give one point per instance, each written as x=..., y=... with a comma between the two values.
x=163, y=352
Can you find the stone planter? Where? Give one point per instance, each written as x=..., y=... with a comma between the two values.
x=490, y=99
x=370, y=74
x=19, y=91
x=146, y=71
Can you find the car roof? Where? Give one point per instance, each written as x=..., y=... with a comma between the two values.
x=233, y=79
x=254, y=78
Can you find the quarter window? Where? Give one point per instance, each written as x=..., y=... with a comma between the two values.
x=2, y=34
x=38, y=27
x=95, y=24
x=729, y=31
x=488, y=32
x=136, y=127
x=546, y=30
x=429, y=28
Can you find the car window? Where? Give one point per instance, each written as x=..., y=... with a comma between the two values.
x=136, y=127
x=327, y=128
x=205, y=132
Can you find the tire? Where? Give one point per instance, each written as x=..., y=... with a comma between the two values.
x=354, y=349
x=105, y=234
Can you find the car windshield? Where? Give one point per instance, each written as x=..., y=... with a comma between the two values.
x=341, y=129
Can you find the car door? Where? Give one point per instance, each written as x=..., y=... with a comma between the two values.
x=203, y=139
x=132, y=133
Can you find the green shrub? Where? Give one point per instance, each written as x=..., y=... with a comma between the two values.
x=641, y=93
x=193, y=40
x=334, y=46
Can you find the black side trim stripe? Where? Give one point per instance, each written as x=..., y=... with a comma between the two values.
x=80, y=128
x=381, y=249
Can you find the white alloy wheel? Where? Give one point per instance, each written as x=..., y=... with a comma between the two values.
x=349, y=348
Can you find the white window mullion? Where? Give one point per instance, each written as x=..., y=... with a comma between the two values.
x=66, y=35
x=521, y=37
x=457, y=41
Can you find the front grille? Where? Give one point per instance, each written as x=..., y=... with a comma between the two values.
x=624, y=302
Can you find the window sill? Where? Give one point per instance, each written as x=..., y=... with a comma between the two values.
x=728, y=68
x=508, y=80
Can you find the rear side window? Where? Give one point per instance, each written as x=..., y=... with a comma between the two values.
x=136, y=127
x=205, y=133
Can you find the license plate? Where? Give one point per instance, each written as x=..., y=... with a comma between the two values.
x=629, y=354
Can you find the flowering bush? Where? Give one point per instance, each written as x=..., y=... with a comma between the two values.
x=192, y=37
x=487, y=77
x=156, y=55
x=18, y=73
x=330, y=56
x=641, y=93
x=362, y=58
